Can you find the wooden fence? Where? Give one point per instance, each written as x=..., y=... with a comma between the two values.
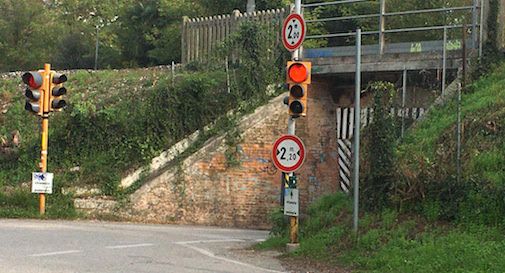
x=201, y=36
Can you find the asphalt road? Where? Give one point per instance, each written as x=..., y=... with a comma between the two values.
x=29, y=246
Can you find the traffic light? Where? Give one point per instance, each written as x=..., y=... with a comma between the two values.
x=33, y=93
x=56, y=102
x=298, y=80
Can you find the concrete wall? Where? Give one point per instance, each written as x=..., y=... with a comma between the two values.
x=204, y=190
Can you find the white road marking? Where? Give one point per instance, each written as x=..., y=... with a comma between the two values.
x=128, y=246
x=212, y=255
x=55, y=253
x=209, y=241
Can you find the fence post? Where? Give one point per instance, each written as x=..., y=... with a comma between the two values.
x=474, y=24
x=184, y=40
x=205, y=37
x=234, y=26
x=173, y=73
x=191, y=40
x=404, y=95
x=382, y=27
x=481, y=28
x=197, y=39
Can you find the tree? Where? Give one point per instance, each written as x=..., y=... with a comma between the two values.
x=24, y=34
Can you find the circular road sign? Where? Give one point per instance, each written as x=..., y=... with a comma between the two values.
x=293, y=31
x=288, y=153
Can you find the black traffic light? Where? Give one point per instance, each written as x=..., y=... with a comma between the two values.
x=57, y=103
x=33, y=92
x=298, y=78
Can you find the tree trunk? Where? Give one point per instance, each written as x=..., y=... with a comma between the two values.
x=251, y=5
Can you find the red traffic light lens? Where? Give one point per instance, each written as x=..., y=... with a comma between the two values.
x=32, y=79
x=297, y=72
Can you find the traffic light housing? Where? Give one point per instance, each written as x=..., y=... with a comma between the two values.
x=57, y=90
x=298, y=79
x=33, y=92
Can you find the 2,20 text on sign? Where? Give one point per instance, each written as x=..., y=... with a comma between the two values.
x=288, y=153
x=293, y=31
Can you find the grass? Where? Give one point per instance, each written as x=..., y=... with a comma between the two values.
x=391, y=242
x=23, y=204
x=482, y=96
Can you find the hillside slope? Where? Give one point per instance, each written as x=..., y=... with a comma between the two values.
x=427, y=166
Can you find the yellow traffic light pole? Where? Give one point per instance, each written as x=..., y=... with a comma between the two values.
x=46, y=83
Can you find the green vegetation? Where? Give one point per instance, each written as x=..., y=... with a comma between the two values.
x=119, y=120
x=427, y=173
x=389, y=242
x=424, y=219
x=130, y=33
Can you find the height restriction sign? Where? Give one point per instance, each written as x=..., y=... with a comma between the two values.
x=293, y=31
x=288, y=153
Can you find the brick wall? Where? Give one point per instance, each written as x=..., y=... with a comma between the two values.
x=203, y=190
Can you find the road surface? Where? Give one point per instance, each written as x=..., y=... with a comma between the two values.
x=29, y=246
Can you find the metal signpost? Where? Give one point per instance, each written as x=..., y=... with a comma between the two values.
x=288, y=155
x=293, y=34
x=357, y=126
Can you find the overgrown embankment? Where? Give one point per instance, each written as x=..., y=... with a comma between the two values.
x=420, y=217
x=427, y=161
x=118, y=120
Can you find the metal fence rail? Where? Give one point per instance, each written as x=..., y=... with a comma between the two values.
x=201, y=36
x=476, y=24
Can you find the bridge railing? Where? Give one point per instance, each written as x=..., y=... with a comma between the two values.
x=201, y=36
x=475, y=25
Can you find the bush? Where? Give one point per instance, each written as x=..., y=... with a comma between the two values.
x=380, y=146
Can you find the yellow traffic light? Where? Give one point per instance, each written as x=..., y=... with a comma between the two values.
x=57, y=90
x=298, y=79
x=33, y=92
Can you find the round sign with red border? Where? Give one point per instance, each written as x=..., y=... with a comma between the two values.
x=288, y=153
x=293, y=31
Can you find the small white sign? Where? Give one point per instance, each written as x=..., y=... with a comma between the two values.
x=291, y=202
x=42, y=183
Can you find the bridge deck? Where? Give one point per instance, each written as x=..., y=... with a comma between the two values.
x=396, y=57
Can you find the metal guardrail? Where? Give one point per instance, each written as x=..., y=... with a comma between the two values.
x=476, y=24
x=200, y=36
